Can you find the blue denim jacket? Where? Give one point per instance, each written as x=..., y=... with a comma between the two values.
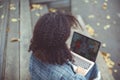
x=42, y=71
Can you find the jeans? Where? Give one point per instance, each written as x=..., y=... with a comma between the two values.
x=92, y=73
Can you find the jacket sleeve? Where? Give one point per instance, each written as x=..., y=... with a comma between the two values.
x=73, y=77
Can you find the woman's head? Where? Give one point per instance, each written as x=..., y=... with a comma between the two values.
x=50, y=34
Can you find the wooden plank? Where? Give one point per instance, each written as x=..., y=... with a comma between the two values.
x=12, y=48
x=40, y=1
x=3, y=25
x=25, y=36
x=59, y=4
x=36, y=13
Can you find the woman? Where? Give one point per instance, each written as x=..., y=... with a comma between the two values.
x=51, y=59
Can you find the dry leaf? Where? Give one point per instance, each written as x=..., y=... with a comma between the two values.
x=52, y=10
x=15, y=39
x=103, y=45
x=12, y=8
x=91, y=16
x=90, y=30
x=2, y=16
x=37, y=6
x=104, y=6
x=107, y=59
x=37, y=14
x=14, y=20
x=106, y=27
x=98, y=24
x=115, y=70
x=108, y=17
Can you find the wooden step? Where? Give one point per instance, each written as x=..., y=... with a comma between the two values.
x=4, y=11
x=12, y=48
x=60, y=4
x=25, y=36
x=40, y=1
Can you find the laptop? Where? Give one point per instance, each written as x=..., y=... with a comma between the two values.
x=84, y=50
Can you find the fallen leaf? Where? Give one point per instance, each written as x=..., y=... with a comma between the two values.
x=12, y=8
x=106, y=27
x=108, y=60
x=104, y=6
x=15, y=39
x=103, y=45
x=90, y=30
x=52, y=10
x=115, y=70
x=37, y=6
x=91, y=16
x=14, y=20
x=108, y=17
x=2, y=16
x=37, y=14
x=98, y=24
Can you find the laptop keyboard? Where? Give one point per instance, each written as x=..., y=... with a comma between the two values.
x=82, y=63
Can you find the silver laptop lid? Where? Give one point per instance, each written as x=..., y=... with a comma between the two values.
x=85, y=46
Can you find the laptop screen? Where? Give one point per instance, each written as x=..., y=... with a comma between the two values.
x=85, y=46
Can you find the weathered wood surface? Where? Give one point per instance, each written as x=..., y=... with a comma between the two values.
x=25, y=36
x=36, y=13
x=4, y=10
x=12, y=48
x=40, y=1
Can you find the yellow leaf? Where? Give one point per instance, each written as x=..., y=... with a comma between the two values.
x=91, y=16
x=14, y=20
x=52, y=10
x=2, y=16
x=37, y=14
x=15, y=39
x=108, y=17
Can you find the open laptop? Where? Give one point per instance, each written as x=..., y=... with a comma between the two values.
x=84, y=50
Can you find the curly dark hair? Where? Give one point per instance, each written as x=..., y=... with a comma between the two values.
x=50, y=34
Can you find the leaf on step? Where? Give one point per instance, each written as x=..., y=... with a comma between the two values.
x=90, y=30
x=14, y=20
x=115, y=70
x=106, y=27
x=52, y=10
x=104, y=6
x=98, y=24
x=108, y=17
x=37, y=14
x=2, y=16
x=103, y=45
x=37, y=6
x=15, y=40
x=91, y=16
